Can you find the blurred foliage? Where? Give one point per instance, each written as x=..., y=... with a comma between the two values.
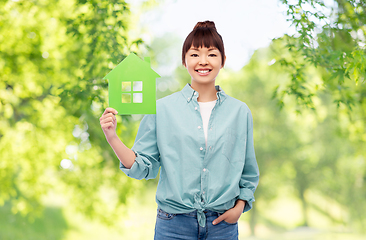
x=51, y=226
x=331, y=38
x=53, y=56
x=324, y=66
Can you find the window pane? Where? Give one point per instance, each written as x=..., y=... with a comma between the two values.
x=126, y=86
x=126, y=97
x=137, y=86
x=137, y=97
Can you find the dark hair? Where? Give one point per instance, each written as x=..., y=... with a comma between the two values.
x=204, y=34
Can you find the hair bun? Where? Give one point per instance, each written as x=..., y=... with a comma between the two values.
x=205, y=24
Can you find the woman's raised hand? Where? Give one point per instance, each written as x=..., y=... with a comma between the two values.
x=108, y=122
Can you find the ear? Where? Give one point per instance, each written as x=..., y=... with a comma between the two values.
x=222, y=65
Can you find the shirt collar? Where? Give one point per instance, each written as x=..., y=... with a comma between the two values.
x=188, y=93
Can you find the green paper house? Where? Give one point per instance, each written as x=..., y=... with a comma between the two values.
x=132, y=87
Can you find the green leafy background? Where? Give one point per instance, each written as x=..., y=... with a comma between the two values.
x=306, y=92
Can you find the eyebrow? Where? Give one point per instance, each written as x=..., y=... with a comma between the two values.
x=210, y=49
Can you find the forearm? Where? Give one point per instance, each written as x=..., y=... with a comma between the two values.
x=240, y=204
x=125, y=155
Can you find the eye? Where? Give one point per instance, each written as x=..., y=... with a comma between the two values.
x=212, y=55
x=194, y=55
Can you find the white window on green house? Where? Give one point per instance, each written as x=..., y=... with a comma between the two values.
x=132, y=92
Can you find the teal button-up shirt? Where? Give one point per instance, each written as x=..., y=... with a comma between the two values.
x=193, y=176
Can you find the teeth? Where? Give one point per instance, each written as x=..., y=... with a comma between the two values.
x=203, y=71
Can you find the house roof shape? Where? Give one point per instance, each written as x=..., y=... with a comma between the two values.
x=131, y=68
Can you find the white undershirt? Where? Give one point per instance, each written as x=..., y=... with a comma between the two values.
x=206, y=109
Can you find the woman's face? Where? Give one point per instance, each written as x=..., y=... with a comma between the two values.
x=203, y=64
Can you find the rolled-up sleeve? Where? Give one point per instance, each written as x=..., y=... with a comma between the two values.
x=147, y=160
x=250, y=175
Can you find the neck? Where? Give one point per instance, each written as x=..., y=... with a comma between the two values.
x=207, y=92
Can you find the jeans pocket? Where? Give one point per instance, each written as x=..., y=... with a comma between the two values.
x=164, y=215
x=230, y=223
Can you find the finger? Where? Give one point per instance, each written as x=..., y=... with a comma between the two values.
x=110, y=110
x=219, y=219
x=107, y=120
x=108, y=115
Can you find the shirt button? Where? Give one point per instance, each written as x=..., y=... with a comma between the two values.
x=210, y=148
x=199, y=127
x=201, y=148
x=195, y=108
x=203, y=192
x=188, y=99
x=195, y=93
x=204, y=169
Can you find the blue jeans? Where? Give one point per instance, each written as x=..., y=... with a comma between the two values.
x=185, y=226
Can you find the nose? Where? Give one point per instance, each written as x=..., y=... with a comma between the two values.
x=203, y=60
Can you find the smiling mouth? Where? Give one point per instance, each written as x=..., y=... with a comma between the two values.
x=203, y=71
